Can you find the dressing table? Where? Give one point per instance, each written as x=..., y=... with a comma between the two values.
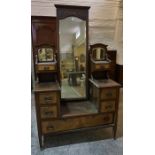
x=74, y=89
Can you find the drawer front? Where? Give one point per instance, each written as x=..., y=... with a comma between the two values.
x=48, y=112
x=108, y=93
x=48, y=98
x=107, y=106
x=46, y=67
x=102, y=66
x=75, y=123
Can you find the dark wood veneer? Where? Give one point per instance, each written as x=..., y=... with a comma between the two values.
x=119, y=74
x=44, y=34
x=64, y=11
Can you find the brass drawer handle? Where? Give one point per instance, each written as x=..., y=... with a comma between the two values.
x=46, y=68
x=108, y=107
x=48, y=98
x=107, y=66
x=106, y=118
x=48, y=113
x=51, y=127
x=109, y=94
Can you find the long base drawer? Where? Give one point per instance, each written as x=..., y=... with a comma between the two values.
x=75, y=123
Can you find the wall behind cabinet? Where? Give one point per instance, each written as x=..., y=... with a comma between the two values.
x=105, y=20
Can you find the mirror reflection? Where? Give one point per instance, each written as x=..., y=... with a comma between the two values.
x=72, y=33
x=45, y=54
x=99, y=53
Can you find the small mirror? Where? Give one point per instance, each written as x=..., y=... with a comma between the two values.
x=45, y=54
x=99, y=53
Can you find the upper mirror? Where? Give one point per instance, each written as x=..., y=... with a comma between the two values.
x=99, y=53
x=72, y=41
x=45, y=54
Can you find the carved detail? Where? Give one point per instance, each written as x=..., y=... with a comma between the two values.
x=64, y=11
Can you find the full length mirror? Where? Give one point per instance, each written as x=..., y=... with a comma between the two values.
x=72, y=42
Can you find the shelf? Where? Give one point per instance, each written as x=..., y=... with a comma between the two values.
x=45, y=87
x=101, y=61
x=78, y=109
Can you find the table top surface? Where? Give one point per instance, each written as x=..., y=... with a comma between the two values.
x=48, y=86
x=77, y=72
x=104, y=83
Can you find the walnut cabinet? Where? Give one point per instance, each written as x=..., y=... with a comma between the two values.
x=69, y=96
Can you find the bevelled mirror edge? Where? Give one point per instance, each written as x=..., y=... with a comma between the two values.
x=81, y=12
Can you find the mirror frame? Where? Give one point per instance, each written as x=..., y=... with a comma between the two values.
x=95, y=46
x=64, y=11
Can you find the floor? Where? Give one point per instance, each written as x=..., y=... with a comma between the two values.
x=91, y=142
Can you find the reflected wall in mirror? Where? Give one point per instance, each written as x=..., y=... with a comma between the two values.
x=72, y=34
x=45, y=54
x=99, y=53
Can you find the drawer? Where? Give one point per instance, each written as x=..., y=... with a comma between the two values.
x=107, y=106
x=48, y=112
x=75, y=123
x=102, y=66
x=48, y=98
x=46, y=67
x=109, y=93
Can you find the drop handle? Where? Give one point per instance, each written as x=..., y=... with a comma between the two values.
x=106, y=119
x=46, y=68
x=109, y=94
x=49, y=113
x=110, y=106
x=48, y=98
x=50, y=127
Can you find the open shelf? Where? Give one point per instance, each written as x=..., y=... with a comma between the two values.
x=78, y=108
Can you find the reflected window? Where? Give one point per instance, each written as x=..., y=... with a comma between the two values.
x=99, y=54
x=45, y=54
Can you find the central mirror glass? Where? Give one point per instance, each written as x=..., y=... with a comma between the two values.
x=72, y=41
